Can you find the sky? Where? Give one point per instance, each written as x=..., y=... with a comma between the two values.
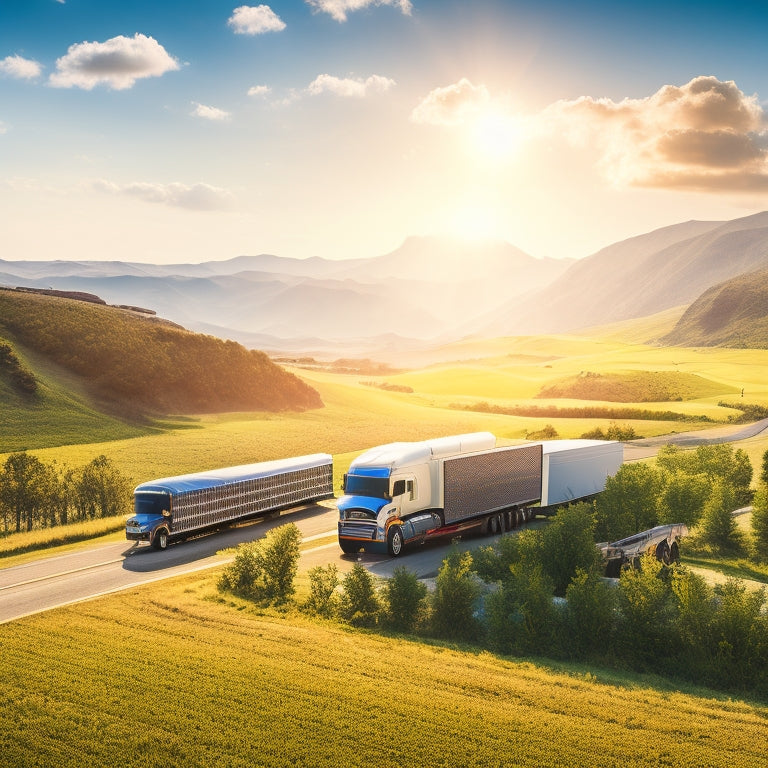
x=202, y=130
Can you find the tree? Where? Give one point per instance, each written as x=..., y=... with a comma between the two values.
x=101, y=490
x=404, y=596
x=648, y=611
x=682, y=497
x=764, y=470
x=718, y=528
x=590, y=615
x=243, y=574
x=359, y=602
x=760, y=521
x=628, y=503
x=454, y=601
x=280, y=562
x=568, y=544
x=24, y=491
x=323, y=599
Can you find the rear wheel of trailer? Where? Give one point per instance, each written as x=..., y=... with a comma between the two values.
x=395, y=542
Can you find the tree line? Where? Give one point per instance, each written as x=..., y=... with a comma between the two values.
x=36, y=495
x=543, y=593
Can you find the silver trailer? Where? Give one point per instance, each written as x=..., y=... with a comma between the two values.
x=174, y=508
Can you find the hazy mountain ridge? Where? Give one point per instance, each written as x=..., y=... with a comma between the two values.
x=641, y=276
x=429, y=290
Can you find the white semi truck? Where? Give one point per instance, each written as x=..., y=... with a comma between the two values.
x=403, y=493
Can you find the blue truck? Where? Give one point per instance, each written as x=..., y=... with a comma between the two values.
x=175, y=508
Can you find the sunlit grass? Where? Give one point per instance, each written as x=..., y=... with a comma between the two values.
x=168, y=674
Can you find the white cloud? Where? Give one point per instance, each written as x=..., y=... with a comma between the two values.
x=210, y=113
x=706, y=135
x=259, y=90
x=18, y=67
x=255, y=20
x=452, y=105
x=338, y=9
x=349, y=87
x=118, y=63
x=197, y=197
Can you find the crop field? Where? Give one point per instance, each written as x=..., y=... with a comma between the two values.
x=169, y=675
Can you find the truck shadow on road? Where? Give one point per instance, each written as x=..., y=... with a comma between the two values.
x=211, y=548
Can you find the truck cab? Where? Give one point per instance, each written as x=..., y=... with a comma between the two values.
x=151, y=520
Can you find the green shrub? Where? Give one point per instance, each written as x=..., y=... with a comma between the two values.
x=323, y=599
x=359, y=603
x=590, y=615
x=405, y=600
x=718, y=528
x=455, y=599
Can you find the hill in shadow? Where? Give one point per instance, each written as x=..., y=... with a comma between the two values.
x=133, y=363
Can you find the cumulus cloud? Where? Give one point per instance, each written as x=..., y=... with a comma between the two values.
x=452, y=105
x=18, y=67
x=259, y=90
x=118, y=63
x=349, y=87
x=210, y=113
x=196, y=197
x=255, y=20
x=338, y=9
x=705, y=135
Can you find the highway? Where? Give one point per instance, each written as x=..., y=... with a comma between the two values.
x=51, y=582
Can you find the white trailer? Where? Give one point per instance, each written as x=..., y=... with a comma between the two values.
x=576, y=469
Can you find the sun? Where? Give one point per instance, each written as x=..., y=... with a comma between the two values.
x=496, y=134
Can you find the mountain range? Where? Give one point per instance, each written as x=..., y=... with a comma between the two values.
x=429, y=290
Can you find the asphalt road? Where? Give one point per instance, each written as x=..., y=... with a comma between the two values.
x=56, y=581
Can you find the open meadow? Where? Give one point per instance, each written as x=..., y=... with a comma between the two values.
x=170, y=675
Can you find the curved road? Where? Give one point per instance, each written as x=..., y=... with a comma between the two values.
x=55, y=581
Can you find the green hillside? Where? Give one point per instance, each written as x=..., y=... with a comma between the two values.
x=731, y=314
x=83, y=370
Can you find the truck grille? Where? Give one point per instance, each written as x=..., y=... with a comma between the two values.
x=358, y=530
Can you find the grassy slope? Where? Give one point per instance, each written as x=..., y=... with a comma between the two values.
x=166, y=675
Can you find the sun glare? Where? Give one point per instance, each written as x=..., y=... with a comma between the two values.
x=497, y=135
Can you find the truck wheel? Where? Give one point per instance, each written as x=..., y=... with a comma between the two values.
x=492, y=524
x=395, y=541
x=160, y=540
x=674, y=553
x=662, y=553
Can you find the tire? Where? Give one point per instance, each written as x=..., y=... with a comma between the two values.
x=349, y=547
x=674, y=553
x=509, y=520
x=395, y=541
x=662, y=553
x=493, y=525
x=160, y=539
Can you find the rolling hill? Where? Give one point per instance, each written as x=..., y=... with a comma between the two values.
x=134, y=364
x=731, y=314
x=641, y=276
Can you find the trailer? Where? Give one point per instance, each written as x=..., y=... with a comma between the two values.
x=405, y=493
x=575, y=470
x=175, y=508
x=663, y=542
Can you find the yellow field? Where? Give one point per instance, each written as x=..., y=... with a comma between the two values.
x=169, y=675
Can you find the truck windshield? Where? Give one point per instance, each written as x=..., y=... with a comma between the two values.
x=377, y=487
x=151, y=503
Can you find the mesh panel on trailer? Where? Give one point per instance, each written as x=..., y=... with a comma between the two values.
x=484, y=482
x=229, y=501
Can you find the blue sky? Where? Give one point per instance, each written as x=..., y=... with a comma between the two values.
x=203, y=130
